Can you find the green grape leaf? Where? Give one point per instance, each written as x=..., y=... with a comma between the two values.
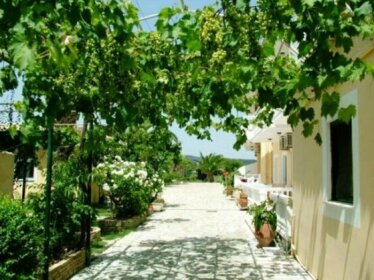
x=306, y=114
x=308, y=128
x=330, y=104
x=268, y=48
x=23, y=55
x=365, y=9
x=194, y=45
x=347, y=113
x=241, y=4
x=318, y=139
x=309, y=3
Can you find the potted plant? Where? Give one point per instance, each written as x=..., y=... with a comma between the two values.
x=264, y=221
x=242, y=200
x=229, y=190
x=228, y=183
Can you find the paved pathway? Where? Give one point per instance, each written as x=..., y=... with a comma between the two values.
x=200, y=235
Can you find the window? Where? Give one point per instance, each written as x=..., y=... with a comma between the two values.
x=341, y=161
x=341, y=166
x=20, y=170
x=285, y=179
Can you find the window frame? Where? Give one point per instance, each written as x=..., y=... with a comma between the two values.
x=344, y=212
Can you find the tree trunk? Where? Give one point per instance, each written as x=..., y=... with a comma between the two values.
x=210, y=177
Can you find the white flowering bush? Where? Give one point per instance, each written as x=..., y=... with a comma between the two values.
x=131, y=186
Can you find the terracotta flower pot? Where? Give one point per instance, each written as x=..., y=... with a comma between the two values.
x=265, y=235
x=243, y=202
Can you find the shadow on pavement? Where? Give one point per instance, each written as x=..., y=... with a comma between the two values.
x=194, y=258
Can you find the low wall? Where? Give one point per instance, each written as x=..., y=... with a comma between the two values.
x=66, y=268
x=115, y=225
x=73, y=263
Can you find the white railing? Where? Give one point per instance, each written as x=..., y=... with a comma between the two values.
x=284, y=215
x=258, y=192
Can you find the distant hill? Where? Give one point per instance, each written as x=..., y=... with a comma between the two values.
x=243, y=161
x=193, y=158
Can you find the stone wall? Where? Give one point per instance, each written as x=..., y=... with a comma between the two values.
x=66, y=268
x=115, y=225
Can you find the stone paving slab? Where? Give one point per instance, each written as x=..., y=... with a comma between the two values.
x=200, y=235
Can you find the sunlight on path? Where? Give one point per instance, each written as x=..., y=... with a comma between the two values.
x=200, y=235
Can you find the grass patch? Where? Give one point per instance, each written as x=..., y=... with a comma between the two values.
x=104, y=212
x=106, y=240
x=117, y=235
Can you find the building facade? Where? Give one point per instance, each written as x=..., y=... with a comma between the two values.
x=273, y=149
x=333, y=187
x=332, y=184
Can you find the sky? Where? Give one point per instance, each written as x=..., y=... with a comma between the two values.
x=222, y=143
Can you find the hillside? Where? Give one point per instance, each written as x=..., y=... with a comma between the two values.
x=243, y=161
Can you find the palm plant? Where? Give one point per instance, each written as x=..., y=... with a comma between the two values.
x=210, y=164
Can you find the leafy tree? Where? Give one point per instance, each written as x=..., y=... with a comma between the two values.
x=155, y=145
x=185, y=170
x=231, y=165
x=210, y=164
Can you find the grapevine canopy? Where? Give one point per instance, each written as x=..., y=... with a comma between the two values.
x=198, y=67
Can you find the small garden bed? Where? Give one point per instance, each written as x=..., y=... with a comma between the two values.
x=110, y=224
x=67, y=267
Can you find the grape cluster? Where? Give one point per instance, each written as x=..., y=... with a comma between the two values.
x=211, y=30
x=218, y=56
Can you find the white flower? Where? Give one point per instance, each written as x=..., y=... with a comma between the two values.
x=106, y=187
x=68, y=40
x=117, y=172
x=118, y=158
x=142, y=174
x=100, y=165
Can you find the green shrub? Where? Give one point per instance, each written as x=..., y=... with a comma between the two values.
x=66, y=211
x=65, y=219
x=21, y=241
x=131, y=186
